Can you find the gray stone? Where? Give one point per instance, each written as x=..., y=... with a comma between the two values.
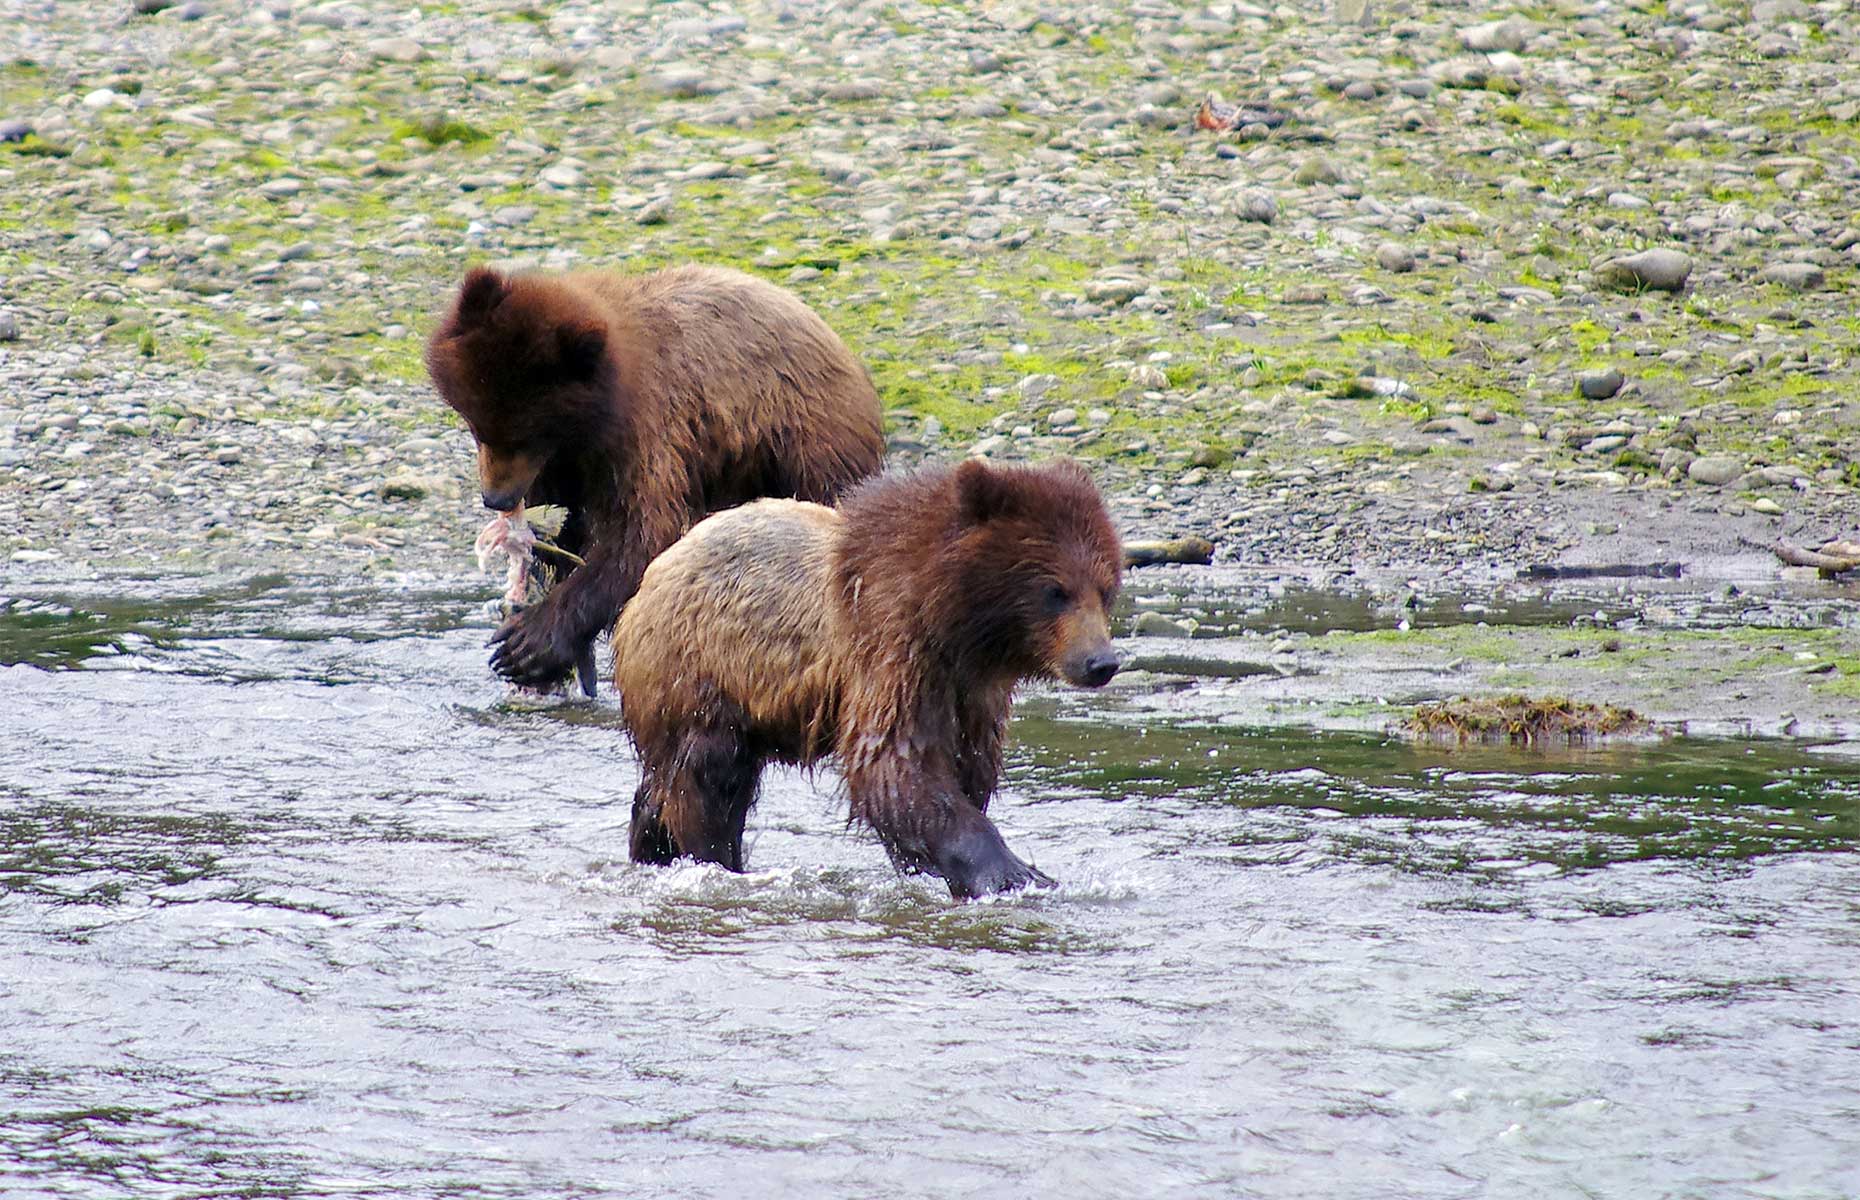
x=9, y=325
x=1800, y=276
x=1353, y=12
x=14, y=130
x=397, y=49
x=1360, y=89
x=150, y=7
x=855, y=89
x=1600, y=386
x=1507, y=34
x=1317, y=169
x=1254, y=204
x=684, y=81
x=1715, y=470
x=1658, y=269
x=1395, y=257
x=1115, y=291
x=1154, y=624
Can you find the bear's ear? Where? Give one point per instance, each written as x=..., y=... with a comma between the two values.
x=983, y=493
x=582, y=344
x=481, y=293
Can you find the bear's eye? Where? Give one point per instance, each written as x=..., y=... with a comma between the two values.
x=1056, y=598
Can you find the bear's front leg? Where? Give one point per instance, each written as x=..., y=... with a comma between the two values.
x=533, y=650
x=539, y=646
x=974, y=860
x=929, y=826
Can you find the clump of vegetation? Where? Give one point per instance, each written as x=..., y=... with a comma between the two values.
x=1523, y=721
x=438, y=130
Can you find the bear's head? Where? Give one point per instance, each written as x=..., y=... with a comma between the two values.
x=523, y=361
x=1040, y=567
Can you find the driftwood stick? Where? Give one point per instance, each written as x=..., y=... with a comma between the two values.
x=1827, y=564
x=1193, y=550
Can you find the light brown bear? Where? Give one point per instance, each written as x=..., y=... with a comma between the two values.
x=640, y=404
x=889, y=633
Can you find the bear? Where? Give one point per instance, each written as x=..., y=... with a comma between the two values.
x=888, y=633
x=641, y=403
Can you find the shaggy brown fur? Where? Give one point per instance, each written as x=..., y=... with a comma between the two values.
x=641, y=403
x=890, y=634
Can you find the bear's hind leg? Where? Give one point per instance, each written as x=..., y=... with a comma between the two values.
x=695, y=804
x=650, y=841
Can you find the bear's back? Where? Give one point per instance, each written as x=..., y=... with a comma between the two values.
x=737, y=608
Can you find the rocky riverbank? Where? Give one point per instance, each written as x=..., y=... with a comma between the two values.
x=1462, y=289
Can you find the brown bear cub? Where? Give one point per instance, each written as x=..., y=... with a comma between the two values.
x=640, y=404
x=889, y=633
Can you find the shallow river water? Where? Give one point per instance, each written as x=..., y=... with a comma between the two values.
x=294, y=905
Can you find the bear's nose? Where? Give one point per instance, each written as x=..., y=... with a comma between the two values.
x=502, y=501
x=1099, y=668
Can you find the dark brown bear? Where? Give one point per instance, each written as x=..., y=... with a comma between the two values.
x=889, y=633
x=640, y=404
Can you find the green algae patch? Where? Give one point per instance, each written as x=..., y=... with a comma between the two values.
x=1523, y=721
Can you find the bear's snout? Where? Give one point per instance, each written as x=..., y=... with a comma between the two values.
x=501, y=501
x=1093, y=670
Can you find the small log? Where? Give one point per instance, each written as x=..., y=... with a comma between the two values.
x=1829, y=565
x=1652, y=570
x=1195, y=551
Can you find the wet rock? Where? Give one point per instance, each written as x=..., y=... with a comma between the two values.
x=1715, y=470
x=1658, y=269
x=9, y=325
x=1600, y=386
x=147, y=8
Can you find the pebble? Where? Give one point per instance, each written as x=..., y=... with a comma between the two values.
x=1506, y=34
x=397, y=49
x=14, y=130
x=1600, y=386
x=1254, y=204
x=1155, y=624
x=1115, y=291
x=1715, y=470
x=1395, y=257
x=684, y=81
x=1658, y=269
x=1317, y=169
x=9, y=325
x=1800, y=276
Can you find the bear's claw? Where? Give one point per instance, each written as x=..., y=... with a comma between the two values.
x=527, y=653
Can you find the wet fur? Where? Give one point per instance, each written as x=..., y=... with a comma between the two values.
x=889, y=634
x=642, y=403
